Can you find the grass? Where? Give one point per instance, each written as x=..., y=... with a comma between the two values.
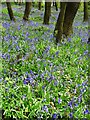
x=39, y=78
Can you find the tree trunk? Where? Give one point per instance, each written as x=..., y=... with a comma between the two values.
x=39, y=4
x=20, y=2
x=27, y=11
x=56, y=6
x=85, y=11
x=53, y=3
x=10, y=12
x=47, y=12
x=60, y=20
x=70, y=13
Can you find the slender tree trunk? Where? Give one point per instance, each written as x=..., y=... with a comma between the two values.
x=70, y=13
x=60, y=20
x=20, y=2
x=10, y=12
x=39, y=4
x=56, y=6
x=85, y=11
x=47, y=12
x=15, y=2
x=53, y=3
x=33, y=3
x=27, y=11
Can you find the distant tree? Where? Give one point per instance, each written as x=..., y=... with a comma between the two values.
x=47, y=12
x=27, y=10
x=66, y=22
x=39, y=4
x=85, y=11
x=10, y=11
x=55, y=4
x=19, y=2
x=15, y=2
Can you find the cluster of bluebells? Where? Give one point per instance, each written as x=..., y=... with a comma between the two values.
x=41, y=71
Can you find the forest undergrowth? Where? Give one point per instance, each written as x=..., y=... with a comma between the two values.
x=41, y=80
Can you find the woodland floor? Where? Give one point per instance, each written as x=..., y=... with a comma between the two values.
x=42, y=80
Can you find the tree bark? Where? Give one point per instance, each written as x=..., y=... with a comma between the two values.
x=47, y=12
x=56, y=6
x=70, y=13
x=85, y=11
x=27, y=11
x=10, y=12
x=60, y=20
x=39, y=4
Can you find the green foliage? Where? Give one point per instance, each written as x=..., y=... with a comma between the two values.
x=39, y=78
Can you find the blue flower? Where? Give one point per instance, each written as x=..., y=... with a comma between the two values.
x=26, y=81
x=84, y=83
x=56, y=83
x=47, y=49
x=71, y=115
x=27, y=34
x=86, y=111
x=76, y=104
x=80, y=98
x=57, y=53
x=6, y=25
x=19, y=27
x=29, y=80
x=69, y=40
x=31, y=72
x=59, y=100
x=86, y=52
x=54, y=116
x=45, y=108
x=70, y=104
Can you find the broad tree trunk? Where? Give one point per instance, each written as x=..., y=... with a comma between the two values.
x=65, y=19
x=70, y=13
x=27, y=11
x=47, y=12
x=60, y=20
x=85, y=11
x=10, y=12
x=39, y=4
